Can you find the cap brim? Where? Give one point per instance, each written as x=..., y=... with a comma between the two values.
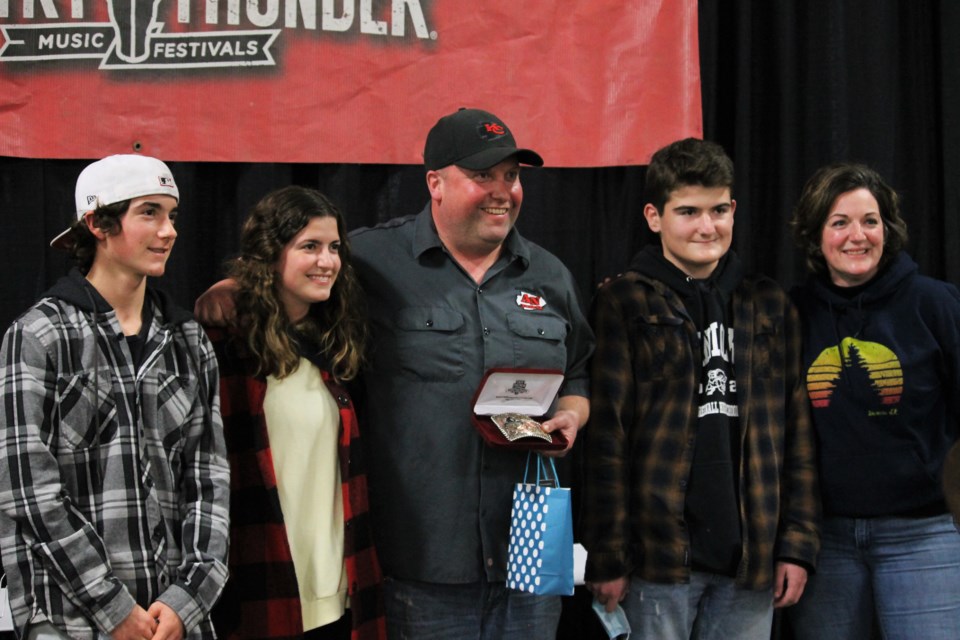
x=495, y=155
x=64, y=241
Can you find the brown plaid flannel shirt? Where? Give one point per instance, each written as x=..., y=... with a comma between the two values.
x=643, y=425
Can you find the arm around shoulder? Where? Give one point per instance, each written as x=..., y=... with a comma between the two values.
x=217, y=305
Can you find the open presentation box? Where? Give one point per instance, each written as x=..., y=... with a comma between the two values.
x=510, y=403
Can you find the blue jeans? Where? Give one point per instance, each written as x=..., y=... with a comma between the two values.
x=904, y=571
x=710, y=607
x=475, y=611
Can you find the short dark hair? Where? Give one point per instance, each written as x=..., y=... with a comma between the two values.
x=683, y=163
x=83, y=247
x=822, y=190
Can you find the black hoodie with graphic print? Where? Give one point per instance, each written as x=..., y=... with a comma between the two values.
x=712, y=510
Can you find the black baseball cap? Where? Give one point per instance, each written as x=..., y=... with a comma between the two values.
x=473, y=139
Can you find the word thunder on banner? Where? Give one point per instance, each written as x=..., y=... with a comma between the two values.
x=585, y=82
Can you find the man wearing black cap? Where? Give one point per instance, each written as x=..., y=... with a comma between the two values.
x=447, y=302
x=453, y=292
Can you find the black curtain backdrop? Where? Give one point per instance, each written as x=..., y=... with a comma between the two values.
x=787, y=86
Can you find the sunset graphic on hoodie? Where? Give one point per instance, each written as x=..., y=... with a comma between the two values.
x=867, y=364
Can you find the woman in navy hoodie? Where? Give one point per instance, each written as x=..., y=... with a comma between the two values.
x=882, y=355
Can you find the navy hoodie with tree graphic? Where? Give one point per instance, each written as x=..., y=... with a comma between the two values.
x=882, y=364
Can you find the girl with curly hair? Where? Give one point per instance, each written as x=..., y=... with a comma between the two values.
x=302, y=561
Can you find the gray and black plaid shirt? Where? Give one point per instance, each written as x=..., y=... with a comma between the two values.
x=113, y=481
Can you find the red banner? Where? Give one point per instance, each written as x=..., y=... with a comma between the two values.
x=584, y=82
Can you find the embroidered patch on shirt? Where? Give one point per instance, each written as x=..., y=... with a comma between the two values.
x=530, y=302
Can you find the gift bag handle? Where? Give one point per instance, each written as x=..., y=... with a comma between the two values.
x=549, y=472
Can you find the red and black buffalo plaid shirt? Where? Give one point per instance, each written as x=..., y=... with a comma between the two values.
x=261, y=599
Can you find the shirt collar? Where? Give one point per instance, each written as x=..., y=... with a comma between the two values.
x=425, y=238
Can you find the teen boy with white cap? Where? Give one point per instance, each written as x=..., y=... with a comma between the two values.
x=113, y=478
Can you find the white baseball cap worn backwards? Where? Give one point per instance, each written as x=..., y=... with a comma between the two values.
x=115, y=179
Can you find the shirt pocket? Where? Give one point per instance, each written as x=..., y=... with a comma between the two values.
x=429, y=343
x=661, y=349
x=86, y=409
x=168, y=401
x=539, y=341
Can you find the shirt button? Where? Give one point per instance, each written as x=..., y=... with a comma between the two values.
x=489, y=562
x=486, y=331
x=541, y=331
x=342, y=399
x=683, y=484
x=480, y=291
x=429, y=323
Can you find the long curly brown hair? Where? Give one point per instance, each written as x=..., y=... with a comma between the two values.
x=336, y=326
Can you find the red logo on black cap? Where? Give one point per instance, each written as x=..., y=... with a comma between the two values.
x=491, y=130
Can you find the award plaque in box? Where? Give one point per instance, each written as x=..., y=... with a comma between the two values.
x=510, y=405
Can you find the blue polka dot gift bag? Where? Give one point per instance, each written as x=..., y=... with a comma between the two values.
x=540, y=555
